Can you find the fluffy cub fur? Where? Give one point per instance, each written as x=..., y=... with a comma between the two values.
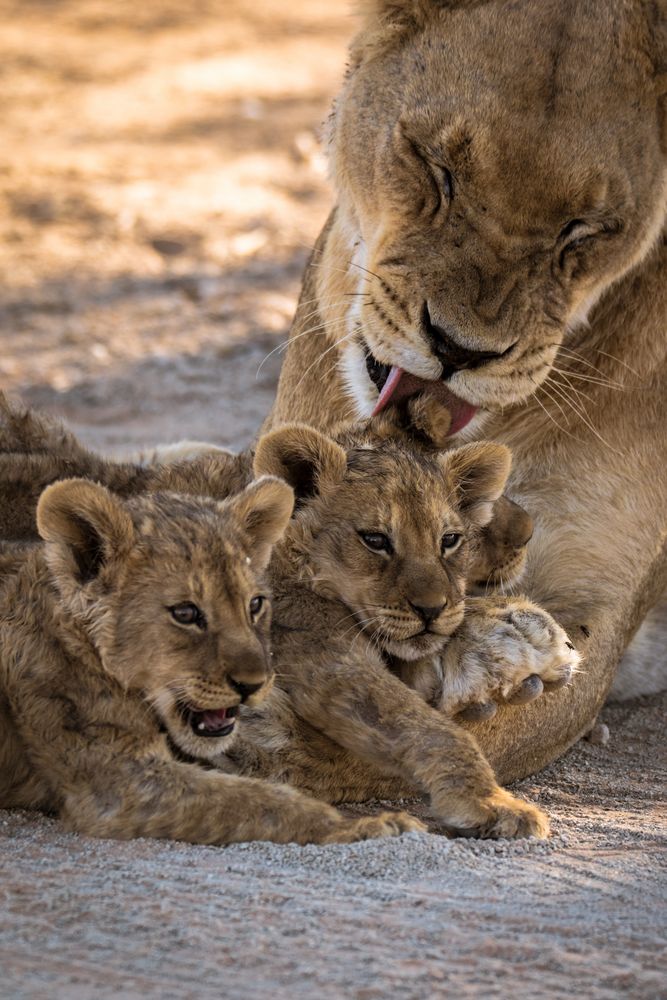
x=373, y=570
x=36, y=450
x=127, y=642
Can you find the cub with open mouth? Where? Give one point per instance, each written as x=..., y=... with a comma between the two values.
x=128, y=641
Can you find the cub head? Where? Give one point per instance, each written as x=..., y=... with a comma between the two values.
x=385, y=528
x=172, y=594
x=499, y=166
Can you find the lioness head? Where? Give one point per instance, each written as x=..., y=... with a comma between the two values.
x=498, y=166
x=171, y=592
x=386, y=528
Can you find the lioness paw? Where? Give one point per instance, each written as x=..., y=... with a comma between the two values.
x=507, y=650
x=386, y=824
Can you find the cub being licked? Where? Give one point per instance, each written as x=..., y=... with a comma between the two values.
x=372, y=570
x=128, y=640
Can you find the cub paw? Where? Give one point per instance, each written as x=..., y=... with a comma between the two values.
x=386, y=824
x=507, y=650
x=506, y=817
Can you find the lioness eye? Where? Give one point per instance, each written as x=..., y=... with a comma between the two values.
x=188, y=614
x=256, y=605
x=376, y=542
x=450, y=541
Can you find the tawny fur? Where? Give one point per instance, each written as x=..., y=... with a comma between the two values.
x=386, y=468
x=343, y=725
x=36, y=450
x=97, y=678
x=546, y=241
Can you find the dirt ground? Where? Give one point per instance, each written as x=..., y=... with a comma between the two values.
x=160, y=184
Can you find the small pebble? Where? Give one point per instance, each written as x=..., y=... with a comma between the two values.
x=599, y=735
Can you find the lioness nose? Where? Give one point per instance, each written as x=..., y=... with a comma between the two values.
x=427, y=615
x=244, y=690
x=450, y=353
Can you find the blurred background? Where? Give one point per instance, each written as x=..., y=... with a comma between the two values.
x=161, y=181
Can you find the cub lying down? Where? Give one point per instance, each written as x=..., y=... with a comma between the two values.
x=453, y=772
x=371, y=572
x=36, y=451
x=127, y=643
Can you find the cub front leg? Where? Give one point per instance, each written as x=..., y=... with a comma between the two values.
x=373, y=715
x=507, y=649
x=167, y=799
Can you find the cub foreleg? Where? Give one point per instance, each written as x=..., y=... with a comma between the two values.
x=371, y=713
x=167, y=799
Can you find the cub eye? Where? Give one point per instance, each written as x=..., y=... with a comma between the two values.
x=256, y=605
x=376, y=542
x=450, y=541
x=448, y=184
x=188, y=614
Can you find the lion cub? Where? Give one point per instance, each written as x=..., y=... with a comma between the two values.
x=373, y=568
x=128, y=641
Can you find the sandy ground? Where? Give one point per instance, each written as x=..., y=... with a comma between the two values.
x=417, y=917
x=160, y=183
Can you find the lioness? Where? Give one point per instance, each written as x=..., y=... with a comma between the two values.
x=499, y=241
x=371, y=573
x=127, y=642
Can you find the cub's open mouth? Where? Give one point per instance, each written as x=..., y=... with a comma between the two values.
x=394, y=384
x=211, y=721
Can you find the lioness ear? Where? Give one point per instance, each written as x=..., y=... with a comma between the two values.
x=479, y=472
x=263, y=509
x=303, y=457
x=85, y=527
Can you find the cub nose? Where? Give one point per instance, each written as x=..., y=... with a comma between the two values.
x=244, y=690
x=427, y=615
x=449, y=352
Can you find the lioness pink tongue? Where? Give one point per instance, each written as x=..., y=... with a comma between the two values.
x=400, y=384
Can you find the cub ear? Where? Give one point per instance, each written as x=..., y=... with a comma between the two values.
x=85, y=527
x=303, y=457
x=263, y=509
x=479, y=472
x=422, y=420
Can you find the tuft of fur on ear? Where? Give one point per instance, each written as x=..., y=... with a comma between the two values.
x=303, y=457
x=263, y=510
x=422, y=420
x=85, y=527
x=479, y=472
